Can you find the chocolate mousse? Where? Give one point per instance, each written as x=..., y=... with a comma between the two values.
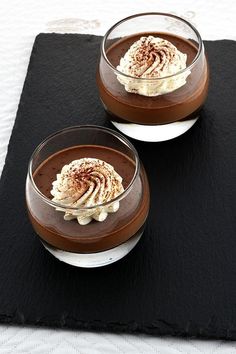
x=123, y=96
x=121, y=223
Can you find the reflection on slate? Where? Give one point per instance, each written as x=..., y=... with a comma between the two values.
x=181, y=278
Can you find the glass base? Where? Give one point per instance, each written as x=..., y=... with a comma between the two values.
x=98, y=259
x=155, y=133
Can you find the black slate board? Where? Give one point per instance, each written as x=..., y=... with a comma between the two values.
x=181, y=278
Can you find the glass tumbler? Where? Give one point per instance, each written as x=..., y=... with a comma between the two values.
x=152, y=108
x=100, y=242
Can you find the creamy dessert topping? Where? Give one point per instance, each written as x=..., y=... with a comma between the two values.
x=85, y=184
x=152, y=58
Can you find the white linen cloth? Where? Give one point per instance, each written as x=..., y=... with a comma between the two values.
x=20, y=22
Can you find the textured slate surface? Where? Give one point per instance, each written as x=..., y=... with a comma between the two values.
x=180, y=279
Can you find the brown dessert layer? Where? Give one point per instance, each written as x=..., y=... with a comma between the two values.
x=177, y=105
x=96, y=236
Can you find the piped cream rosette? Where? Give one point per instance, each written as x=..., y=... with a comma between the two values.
x=152, y=58
x=85, y=183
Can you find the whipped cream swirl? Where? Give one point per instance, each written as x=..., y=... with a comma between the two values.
x=84, y=183
x=152, y=58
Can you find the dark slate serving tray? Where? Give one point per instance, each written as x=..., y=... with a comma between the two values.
x=181, y=278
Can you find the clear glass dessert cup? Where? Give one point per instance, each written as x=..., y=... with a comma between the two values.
x=174, y=101
x=98, y=243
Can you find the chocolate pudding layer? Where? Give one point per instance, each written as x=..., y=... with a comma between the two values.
x=180, y=104
x=95, y=236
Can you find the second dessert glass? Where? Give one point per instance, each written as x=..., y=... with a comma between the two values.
x=166, y=115
x=98, y=243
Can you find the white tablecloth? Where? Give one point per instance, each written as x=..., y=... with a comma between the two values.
x=20, y=21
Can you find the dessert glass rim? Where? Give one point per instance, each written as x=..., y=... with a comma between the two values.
x=81, y=127
x=188, y=67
